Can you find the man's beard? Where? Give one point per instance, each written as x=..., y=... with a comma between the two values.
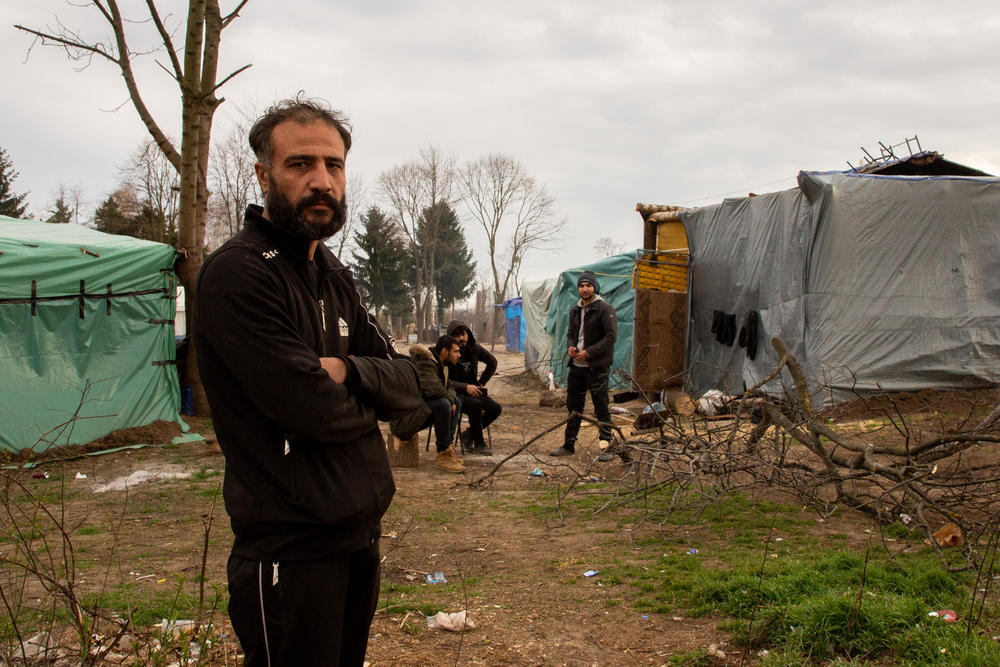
x=290, y=217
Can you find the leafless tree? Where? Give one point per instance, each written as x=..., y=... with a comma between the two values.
x=194, y=68
x=409, y=189
x=516, y=214
x=155, y=182
x=608, y=247
x=234, y=184
x=357, y=203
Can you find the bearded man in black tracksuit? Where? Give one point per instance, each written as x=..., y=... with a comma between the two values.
x=481, y=409
x=593, y=330
x=298, y=376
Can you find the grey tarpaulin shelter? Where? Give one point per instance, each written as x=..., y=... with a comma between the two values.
x=537, y=341
x=872, y=281
x=86, y=334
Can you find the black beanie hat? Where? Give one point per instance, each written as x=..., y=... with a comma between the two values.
x=589, y=277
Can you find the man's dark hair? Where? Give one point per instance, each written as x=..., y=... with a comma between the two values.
x=444, y=343
x=300, y=110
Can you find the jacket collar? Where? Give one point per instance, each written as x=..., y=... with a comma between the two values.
x=291, y=244
x=581, y=304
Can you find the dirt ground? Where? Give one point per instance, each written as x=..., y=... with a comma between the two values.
x=140, y=516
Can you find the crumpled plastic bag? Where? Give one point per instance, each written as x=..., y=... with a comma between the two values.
x=711, y=401
x=454, y=622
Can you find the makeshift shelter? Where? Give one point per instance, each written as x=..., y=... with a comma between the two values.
x=88, y=334
x=514, y=327
x=873, y=282
x=536, y=296
x=615, y=276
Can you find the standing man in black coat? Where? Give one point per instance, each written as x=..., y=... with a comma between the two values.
x=298, y=376
x=593, y=330
x=482, y=409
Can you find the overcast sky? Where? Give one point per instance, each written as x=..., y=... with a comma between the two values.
x=605, y=103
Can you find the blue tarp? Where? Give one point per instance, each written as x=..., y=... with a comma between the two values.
x=515, y=329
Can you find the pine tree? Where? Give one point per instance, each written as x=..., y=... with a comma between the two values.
x=61, y=211
x=440, y=232
x=380, y=264
x=11, y=205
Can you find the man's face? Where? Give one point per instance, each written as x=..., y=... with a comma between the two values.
x=462, y=336
x=454, y=355
x=585, y=290
x=304, y=188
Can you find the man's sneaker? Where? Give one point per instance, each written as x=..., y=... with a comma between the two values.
x=448, y=462
x=562, y=451
x=482, y=450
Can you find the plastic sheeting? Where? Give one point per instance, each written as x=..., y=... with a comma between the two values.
x=87, y=326
x=615, y=276
x=872, y=281
x=535, y=297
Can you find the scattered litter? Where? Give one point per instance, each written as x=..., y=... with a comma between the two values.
x=945, y=615
x=436, y=578
x=692, y=552
x=161, y=581
x=677, y=618
x=655, y=407
x=644, y=616
x=552, y=383
x=145, y=576
x=391, y=535
x=143, y=477
x=38, y=474
x=779, y=539
x=763, y=652
x=595, y=478
x=619, y=410
x=454, y=622
x=948, y=535
x=81, y=475
x=590, y=573
x=710, y=402
x=537, y=472
x=906, y=519
x=175, y=628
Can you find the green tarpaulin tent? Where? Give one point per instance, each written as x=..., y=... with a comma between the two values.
x=86, y=334
x=615, y=276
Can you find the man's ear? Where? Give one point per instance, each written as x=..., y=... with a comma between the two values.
x=262, y=176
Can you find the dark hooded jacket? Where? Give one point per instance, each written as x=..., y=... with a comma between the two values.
x=600, y=331
x=307, y=474
x=466, y=372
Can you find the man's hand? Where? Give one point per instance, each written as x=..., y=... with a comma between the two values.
x=582, y=355
x=336, y=367
x=573, y=352
x=473, y=390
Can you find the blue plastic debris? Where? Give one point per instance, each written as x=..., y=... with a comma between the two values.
x=590, y=573
x=692, y=551
x=537, y=472
x=436, y=578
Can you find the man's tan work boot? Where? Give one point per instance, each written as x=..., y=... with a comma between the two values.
x=448, y=462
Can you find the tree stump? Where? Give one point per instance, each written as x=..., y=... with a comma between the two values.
x=403, y=453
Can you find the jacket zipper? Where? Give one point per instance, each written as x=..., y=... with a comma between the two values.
x=322, y=314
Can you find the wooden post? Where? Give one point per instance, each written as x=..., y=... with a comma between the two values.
x=403, y=453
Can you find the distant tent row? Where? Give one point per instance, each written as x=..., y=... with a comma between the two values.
x=86, y=334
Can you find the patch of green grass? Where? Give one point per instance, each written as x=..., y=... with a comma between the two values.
x=205, y=473
x=90, y=530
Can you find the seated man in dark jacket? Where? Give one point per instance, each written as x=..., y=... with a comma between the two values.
x=471, y=386
x=433, y=368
